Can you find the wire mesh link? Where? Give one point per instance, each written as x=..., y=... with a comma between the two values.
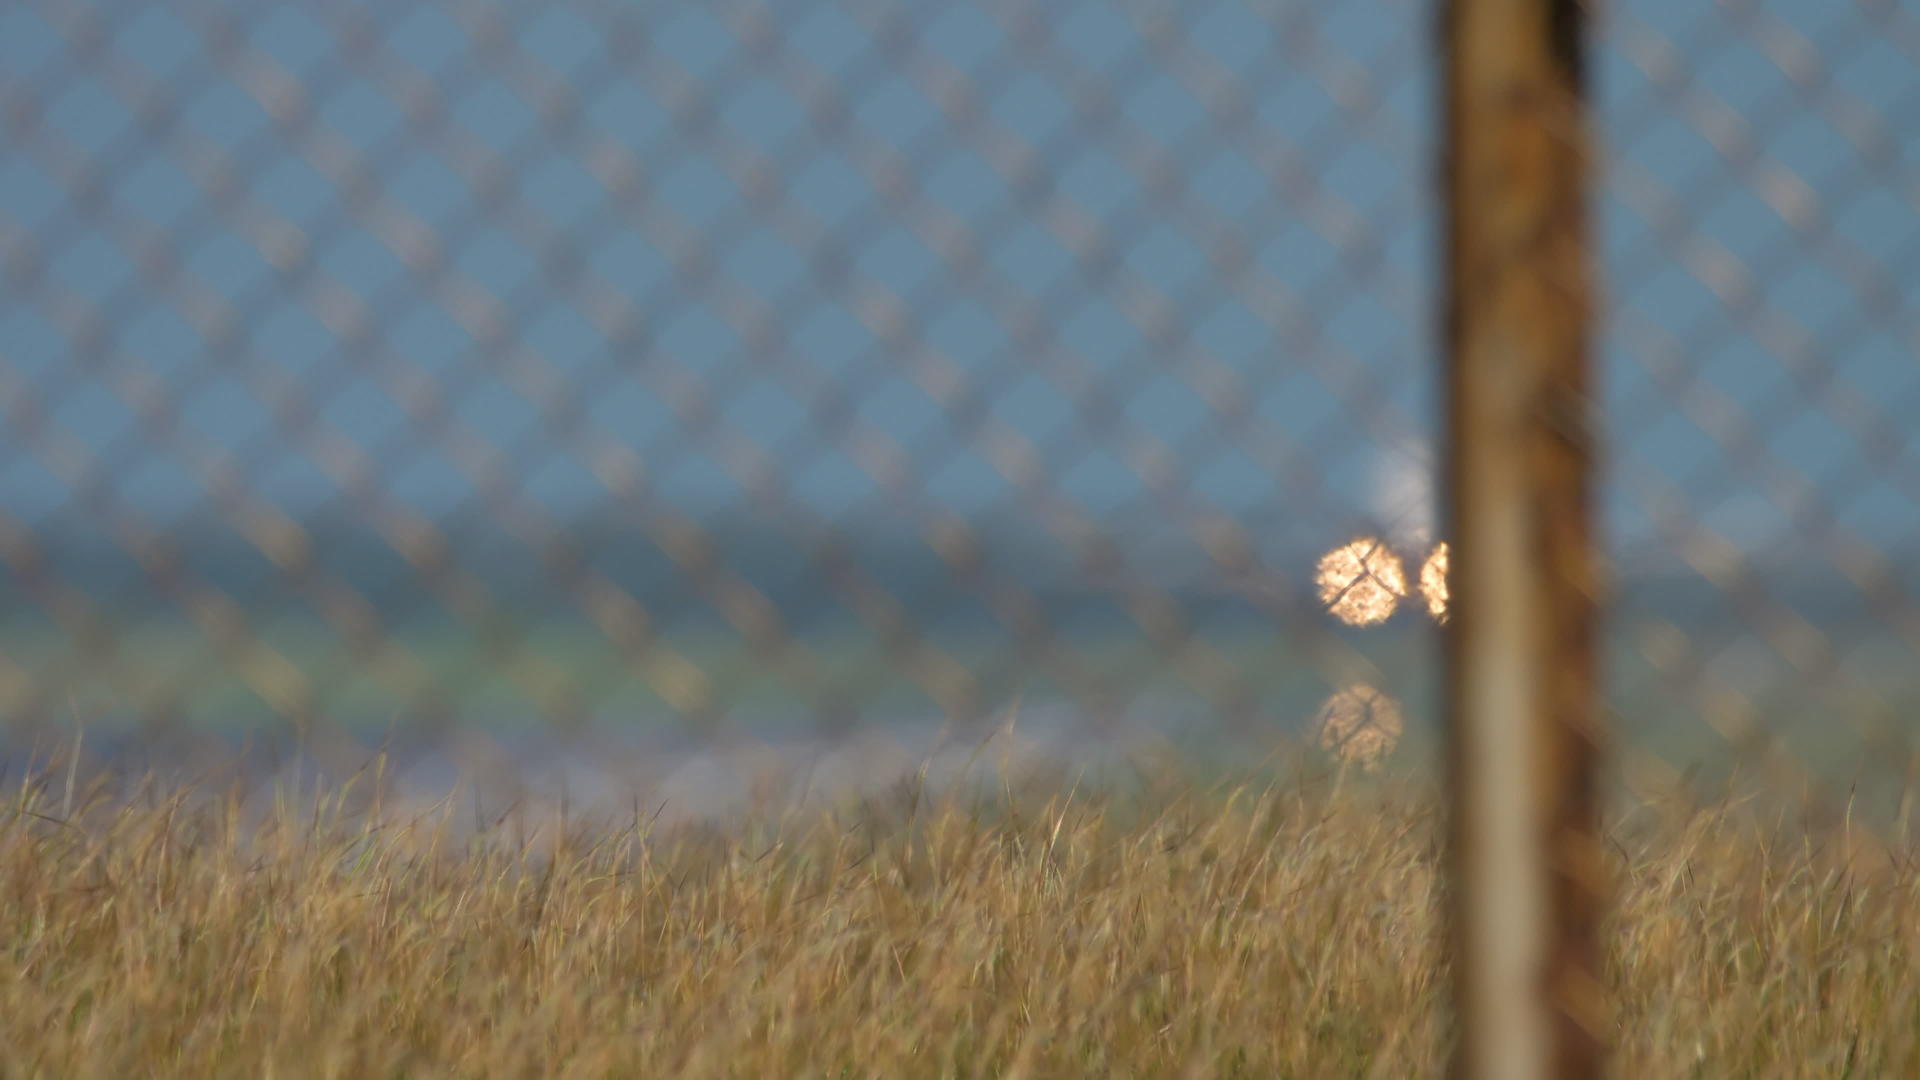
x=1763, y=480
x=826, y=369
x=760, y=370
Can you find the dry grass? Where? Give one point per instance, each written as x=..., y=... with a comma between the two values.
x=1278, y=931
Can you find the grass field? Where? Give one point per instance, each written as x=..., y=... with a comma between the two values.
x=1283, y=926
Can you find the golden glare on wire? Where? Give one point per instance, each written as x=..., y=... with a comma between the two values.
x=1361, y=582
x=1433, y=583
x=1360, y=725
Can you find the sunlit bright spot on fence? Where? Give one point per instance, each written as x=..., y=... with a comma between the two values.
x=1361, y=582
x=1360, y=725
x=1433, y=583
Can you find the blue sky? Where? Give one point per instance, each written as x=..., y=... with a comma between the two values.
x=359, y=209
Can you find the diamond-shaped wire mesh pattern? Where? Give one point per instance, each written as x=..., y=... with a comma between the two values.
x=690, y=374
x=1763, y=227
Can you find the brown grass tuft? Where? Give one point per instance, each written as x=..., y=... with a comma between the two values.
x=1279, y=931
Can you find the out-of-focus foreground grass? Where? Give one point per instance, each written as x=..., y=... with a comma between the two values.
x=1284, y=929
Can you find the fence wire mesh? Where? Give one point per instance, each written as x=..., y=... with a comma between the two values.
x=725, y=373
x=760, y=375
x=1761, y=232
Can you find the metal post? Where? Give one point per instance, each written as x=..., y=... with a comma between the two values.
x=1527, y=879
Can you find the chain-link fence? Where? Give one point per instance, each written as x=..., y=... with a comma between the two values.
x=1762, y=232
x=767, y=377
x=817, y=370
x=719, y=373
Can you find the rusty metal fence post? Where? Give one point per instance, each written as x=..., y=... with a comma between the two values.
x=1521, y=653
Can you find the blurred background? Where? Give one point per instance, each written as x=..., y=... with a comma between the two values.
x=698, y=381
